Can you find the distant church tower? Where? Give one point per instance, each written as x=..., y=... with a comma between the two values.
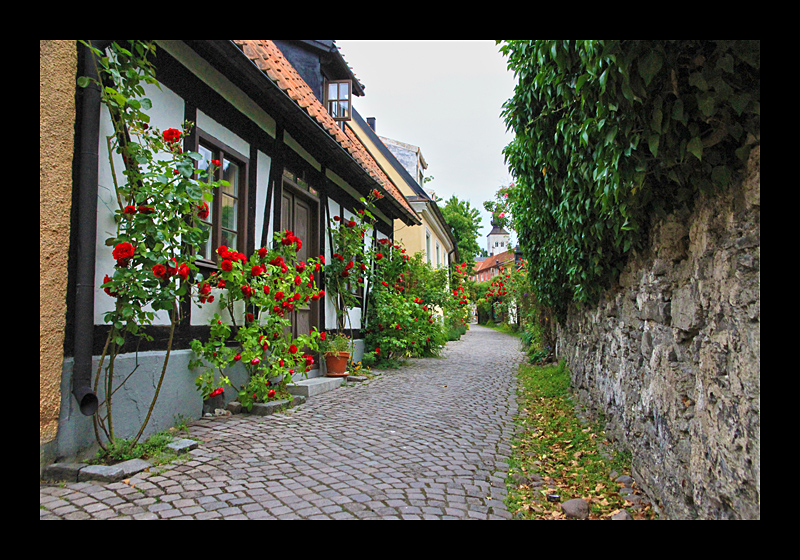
x=497, y=240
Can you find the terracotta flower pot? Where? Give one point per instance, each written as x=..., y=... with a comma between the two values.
x=336, y=364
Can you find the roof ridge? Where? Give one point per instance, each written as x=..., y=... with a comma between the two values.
x=270, y=60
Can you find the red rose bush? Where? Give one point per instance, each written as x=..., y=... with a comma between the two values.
x=271, y=284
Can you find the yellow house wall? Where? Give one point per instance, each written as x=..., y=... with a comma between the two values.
x=412, y=237
x=57, y=74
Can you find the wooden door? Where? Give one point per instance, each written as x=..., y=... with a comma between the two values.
x=300, y=213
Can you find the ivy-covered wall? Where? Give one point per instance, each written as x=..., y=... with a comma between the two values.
x=670, y=357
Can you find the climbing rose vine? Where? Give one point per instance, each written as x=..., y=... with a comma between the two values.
x=271, y=284
x=155, y=215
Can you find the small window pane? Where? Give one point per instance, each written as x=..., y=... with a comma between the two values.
x=344, y=90
x=228, y=238
x=204, y=250
x=228, y=210
x=230, y=173
x=333, y=91
x=206, y=155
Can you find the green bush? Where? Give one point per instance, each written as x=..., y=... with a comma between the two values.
x=608, y=135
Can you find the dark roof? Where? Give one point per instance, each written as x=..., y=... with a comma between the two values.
x=497, y=230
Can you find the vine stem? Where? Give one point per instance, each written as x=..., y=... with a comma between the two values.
x=175, y=312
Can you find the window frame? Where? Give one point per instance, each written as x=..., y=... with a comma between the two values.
x=222, y=151
x=328, y=100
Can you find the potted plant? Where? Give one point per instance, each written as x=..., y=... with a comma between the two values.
x=336, y=349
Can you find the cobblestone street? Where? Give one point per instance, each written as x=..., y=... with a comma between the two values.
x=427, y=441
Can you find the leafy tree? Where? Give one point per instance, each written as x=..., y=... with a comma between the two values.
x=466, y=223
x=611, y=133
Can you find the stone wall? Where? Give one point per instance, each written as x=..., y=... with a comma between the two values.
x=670, y=358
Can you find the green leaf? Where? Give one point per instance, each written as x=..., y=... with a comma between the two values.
x=705, y=102
x=695, y=147
x=652, y=142
x=650, y=65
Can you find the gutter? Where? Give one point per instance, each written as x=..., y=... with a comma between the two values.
x=86, y=224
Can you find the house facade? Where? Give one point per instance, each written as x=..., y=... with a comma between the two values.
x=404, y=164
x=275, y=114
x=493, y=266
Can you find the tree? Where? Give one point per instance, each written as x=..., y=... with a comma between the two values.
x=466, y=223
x=611, y=134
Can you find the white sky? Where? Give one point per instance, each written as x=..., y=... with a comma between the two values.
x=444, y=96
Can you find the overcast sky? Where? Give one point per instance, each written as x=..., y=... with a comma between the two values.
x=445, y=97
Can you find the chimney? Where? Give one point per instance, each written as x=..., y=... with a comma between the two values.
x=371, y=123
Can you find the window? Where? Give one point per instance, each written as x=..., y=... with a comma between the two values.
x=428, y=246
x=337, y=99
x=226, y=213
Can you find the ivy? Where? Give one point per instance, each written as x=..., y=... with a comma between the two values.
x=611, y=133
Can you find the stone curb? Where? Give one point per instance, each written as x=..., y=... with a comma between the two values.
x=82, y=472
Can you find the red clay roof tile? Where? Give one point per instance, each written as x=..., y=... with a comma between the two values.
x=271, y=61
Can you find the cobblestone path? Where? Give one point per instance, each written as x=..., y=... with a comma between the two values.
x=427, y=441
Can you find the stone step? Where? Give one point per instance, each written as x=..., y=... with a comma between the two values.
x=315, y=386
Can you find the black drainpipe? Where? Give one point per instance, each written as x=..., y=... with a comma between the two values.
x=86, y=238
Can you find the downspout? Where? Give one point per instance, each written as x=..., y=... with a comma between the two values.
x=87, y=178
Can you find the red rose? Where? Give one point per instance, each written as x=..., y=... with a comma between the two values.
x=202, y=210
x=130, y=210
x=379, y=256
x=279, y=296
x=122, y=253
x=226, y=265
x=159, y=270
x=262, y=252
x=215, y=162
x=297, y=280
x=271, y=393
x=351, y=223
x=108, y=290
x=322, y=336
x=255, y=271
x=292, y=349
x=237, y=357
x=171, y=135
x=216, y=392
x=183, y=271
x=255, y=361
